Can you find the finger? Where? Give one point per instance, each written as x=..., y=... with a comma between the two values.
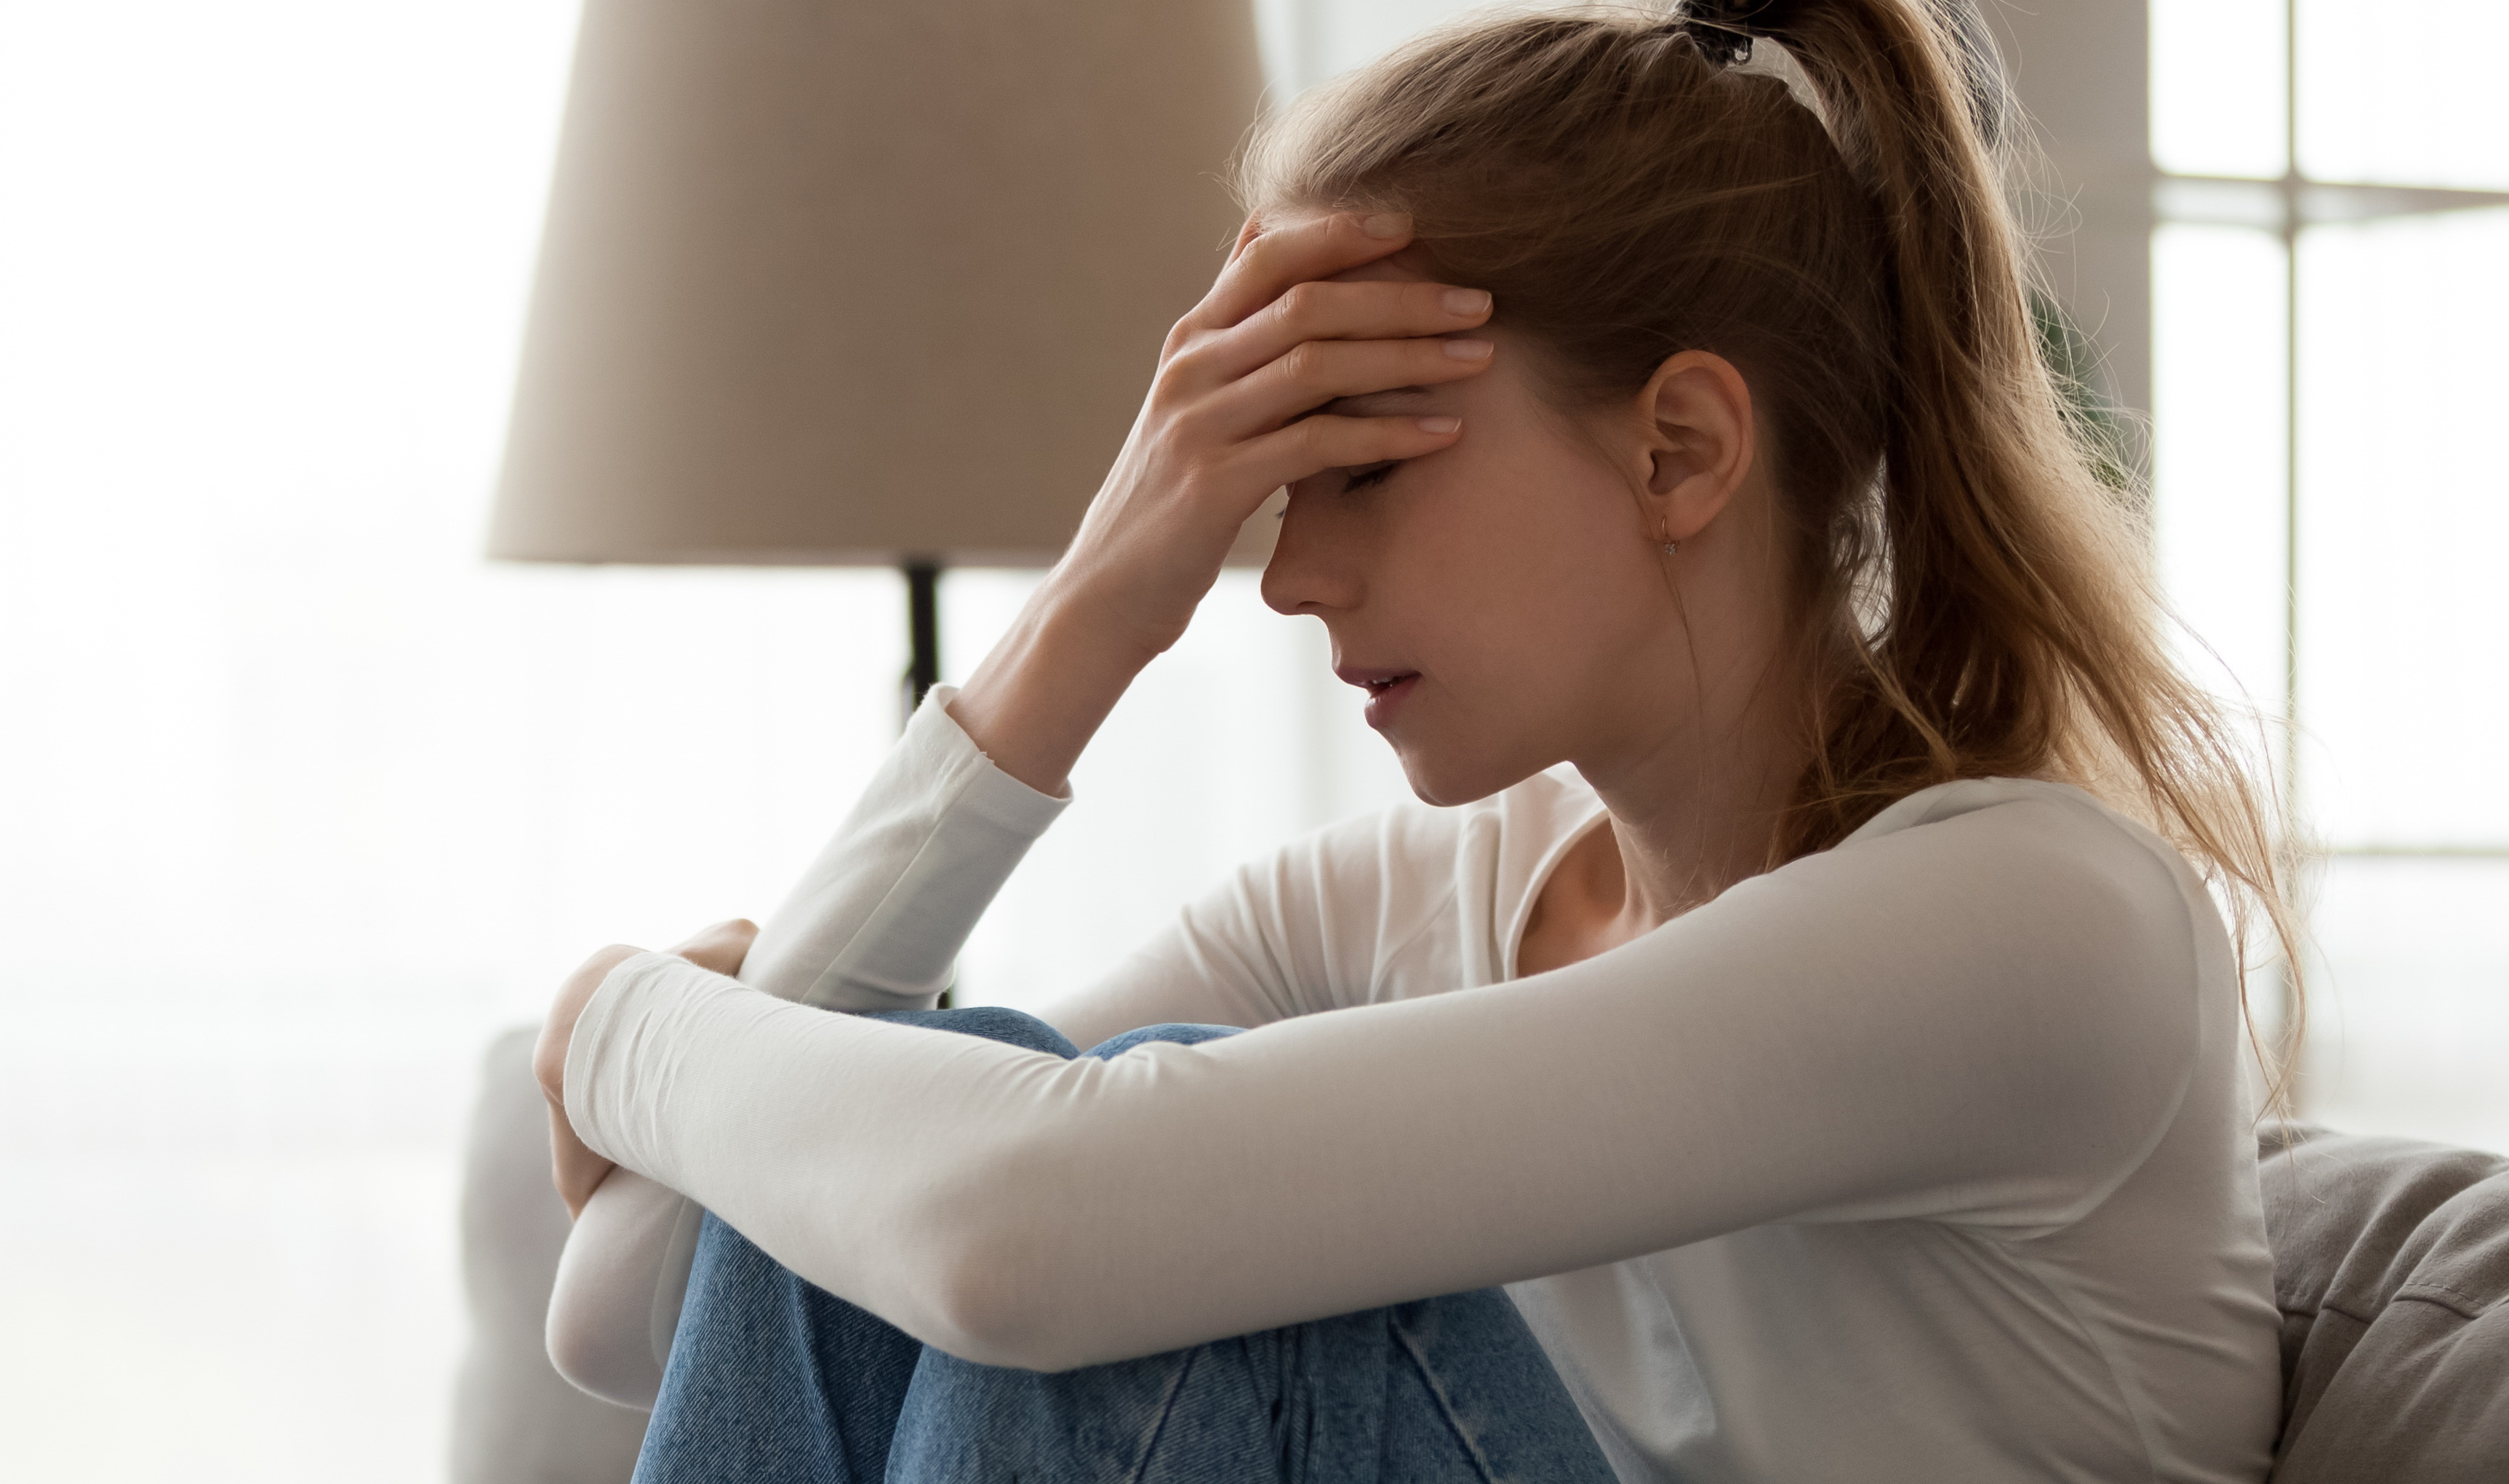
x=557, y=1032
x=730, y=930
x=573, y=1168
x=1294, y=252
x=1376, y=310
x=722, y=946
x=1321, y=371
x=1253, y=228
x=1312, y=445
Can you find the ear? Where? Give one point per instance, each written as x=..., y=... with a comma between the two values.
x=1700, y=441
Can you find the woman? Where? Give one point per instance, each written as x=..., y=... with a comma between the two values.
x=1844, y=1077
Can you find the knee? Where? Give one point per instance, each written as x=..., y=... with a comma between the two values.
x=729, y=1274
x=1178, y=1034
x=990, y=1022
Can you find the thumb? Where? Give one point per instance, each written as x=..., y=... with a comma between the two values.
x=720, y=947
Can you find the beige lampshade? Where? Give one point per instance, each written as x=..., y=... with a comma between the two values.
x=840, y=282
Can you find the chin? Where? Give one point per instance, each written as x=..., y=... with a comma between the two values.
x=1446, y=778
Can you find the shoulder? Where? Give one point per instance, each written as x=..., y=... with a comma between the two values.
x=2020, y=803
x=2063, y=966
x=2028, y=906
x=2022, y=839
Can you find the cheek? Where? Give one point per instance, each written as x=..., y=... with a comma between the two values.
x=1541, y=580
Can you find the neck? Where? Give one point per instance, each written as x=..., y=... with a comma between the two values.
x=1695, y=808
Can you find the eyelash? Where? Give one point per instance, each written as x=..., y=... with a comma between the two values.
x=1374, y=473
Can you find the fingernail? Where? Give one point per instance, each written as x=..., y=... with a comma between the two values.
x=1468, y=350
x=1386, y=224
x=1440, y=425
x=1466, y=302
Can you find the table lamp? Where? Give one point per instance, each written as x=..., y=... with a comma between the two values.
x=847, y=283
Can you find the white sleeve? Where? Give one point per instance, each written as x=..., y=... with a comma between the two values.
x=1989, y=1019
x=875, y=924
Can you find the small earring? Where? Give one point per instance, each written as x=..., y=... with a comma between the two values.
x=1671, y=547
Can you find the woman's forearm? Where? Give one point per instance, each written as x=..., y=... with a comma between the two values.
x=878, y=920
x=1048, y=685
x=620, y=1283
x=873, y=924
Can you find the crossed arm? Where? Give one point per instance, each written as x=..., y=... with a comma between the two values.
x=1985, y=1019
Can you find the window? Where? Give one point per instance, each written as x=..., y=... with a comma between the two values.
x=2328, y=312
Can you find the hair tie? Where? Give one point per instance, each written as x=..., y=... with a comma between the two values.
x=1722, y=29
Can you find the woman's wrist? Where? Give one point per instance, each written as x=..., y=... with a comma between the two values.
x=1048, y=684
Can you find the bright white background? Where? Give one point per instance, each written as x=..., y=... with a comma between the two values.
x=2400, y=511
x=302, y=800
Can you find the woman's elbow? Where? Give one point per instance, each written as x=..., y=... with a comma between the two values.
x=995, y=1281
x=982, y=1298
x=599, y=1357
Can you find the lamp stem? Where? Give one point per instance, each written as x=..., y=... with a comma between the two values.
x=922, y=628
x=923, y=644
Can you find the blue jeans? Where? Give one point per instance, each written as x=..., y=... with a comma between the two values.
x=772, y=1381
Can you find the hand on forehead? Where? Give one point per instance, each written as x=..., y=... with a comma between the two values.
x=1396, y=268
x=1405, y=266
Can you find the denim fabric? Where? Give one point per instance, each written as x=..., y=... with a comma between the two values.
x=772, y=1381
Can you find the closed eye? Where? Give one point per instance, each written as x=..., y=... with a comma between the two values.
x=1368, y=474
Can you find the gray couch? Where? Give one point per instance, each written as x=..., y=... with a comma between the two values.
x=2391, y=1269
x=515, y=1420
x=2391, y=1264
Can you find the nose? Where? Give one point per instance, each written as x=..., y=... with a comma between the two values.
x=1316, y=564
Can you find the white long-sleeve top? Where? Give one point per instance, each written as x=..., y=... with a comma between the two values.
x=1923, y=1158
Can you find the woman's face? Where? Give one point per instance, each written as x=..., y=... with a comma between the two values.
x=1506, y=600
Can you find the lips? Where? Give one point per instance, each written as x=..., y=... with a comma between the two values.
x=1385, y=689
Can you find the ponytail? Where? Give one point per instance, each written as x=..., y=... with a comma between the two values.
x=1971, y=588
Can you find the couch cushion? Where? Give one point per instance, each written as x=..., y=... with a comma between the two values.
x=2391, y=1267
x=515, y=1421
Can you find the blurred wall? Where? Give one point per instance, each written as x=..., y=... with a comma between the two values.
x=2082, y=70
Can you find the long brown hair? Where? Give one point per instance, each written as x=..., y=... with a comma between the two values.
x=1973, y=597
